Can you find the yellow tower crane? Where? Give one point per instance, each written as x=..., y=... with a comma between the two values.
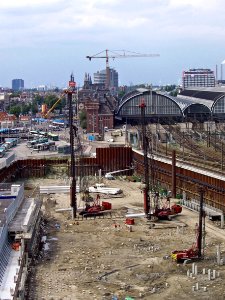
x=108, y=54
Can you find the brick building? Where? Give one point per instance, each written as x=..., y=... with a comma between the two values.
x=99, y=106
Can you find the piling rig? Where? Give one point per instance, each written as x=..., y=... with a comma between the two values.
x=156, y=212
x=73, y=197
x=196, y=250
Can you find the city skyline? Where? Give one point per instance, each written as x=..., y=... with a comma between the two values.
x=44, y=41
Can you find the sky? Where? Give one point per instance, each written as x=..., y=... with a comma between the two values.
x=43, y=41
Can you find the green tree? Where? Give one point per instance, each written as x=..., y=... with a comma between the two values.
x=15, y=94
x=174, y=93
x=25, y=108
x=34, y=106
x=50, y=100
x=38, y=99
x=121, y=94
x=15, y=110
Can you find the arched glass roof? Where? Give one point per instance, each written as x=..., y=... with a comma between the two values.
x=161, y=104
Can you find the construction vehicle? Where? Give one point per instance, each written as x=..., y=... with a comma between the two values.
x=156, y=212
x=95, y=209
x=167, y=213
x=192, y=253
x=164, y=211
x=195, y=252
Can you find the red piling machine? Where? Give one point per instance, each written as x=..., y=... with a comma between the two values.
x=156, y=212
x=194, y=252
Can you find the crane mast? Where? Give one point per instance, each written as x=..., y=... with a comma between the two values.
x=112, y=54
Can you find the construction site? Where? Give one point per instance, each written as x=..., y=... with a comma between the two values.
x=143, y=218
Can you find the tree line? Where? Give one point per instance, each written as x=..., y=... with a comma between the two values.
x=34, y=106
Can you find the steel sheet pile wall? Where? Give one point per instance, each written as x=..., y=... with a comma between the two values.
x=86, y=166
x=115, y=158
x=9, y=173
x=37, y=167
x=186, y=180
x=28, y=168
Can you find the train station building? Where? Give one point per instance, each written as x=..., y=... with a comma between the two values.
x=191, y=104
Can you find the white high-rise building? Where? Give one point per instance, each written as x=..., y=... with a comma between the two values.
x=100, y=78
x=198, y=78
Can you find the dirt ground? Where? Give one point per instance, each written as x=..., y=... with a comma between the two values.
x=101, y=258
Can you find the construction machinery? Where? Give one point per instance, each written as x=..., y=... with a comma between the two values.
x=156, y=212
x=187, y=254
x=166, y=212
x=94, y=209
x=53, y=107
x=195, y=251
x=112, y=54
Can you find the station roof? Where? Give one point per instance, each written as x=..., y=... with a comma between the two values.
x=205, y=97
x=184, y=102
x=210, y=93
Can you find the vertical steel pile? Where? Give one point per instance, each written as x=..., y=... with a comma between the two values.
x=146, y=166
x=73, y=197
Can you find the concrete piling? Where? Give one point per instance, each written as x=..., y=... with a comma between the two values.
x=209, y=274
x=188, y=273
x=193, y=268
x=218, y=257
x=196, y=270
x=203, y=271
x=197, y=286
x=222, y=221
x=214, y=274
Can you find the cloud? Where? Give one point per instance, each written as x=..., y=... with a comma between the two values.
x=170, y=27
x=26, y=21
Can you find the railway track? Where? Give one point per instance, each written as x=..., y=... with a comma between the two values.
x=191, y=151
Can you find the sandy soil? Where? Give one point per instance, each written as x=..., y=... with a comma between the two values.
x=99, y=258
